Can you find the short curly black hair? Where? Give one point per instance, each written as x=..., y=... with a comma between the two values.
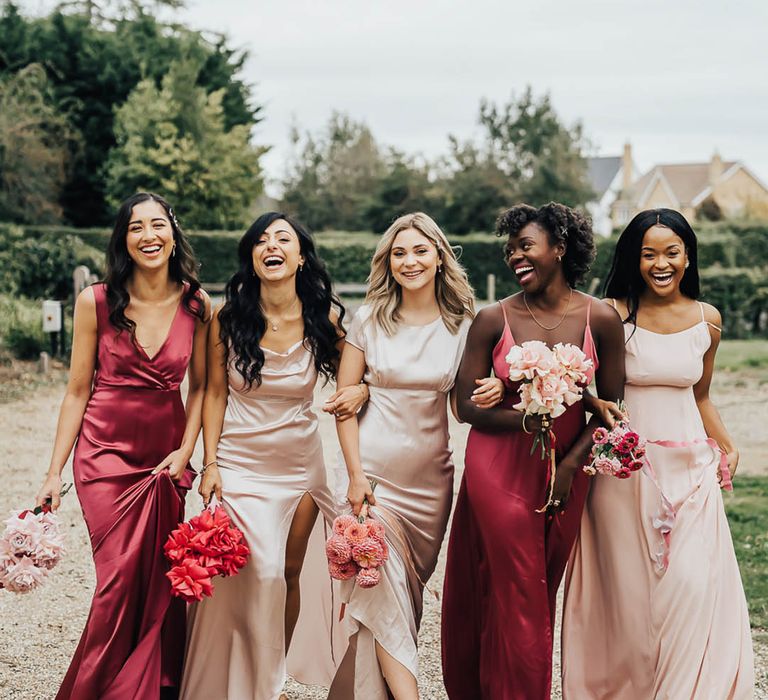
x=563, y=225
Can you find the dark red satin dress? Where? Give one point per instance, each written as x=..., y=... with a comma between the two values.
x=133, y=642
x=505, y=561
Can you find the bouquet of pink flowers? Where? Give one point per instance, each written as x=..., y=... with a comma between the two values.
x=617, y=452
x=30, y=547
x=356, y=550
x=206, y=545
x=551, y=380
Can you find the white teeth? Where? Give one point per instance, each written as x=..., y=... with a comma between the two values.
x=523, y=270
x=151, y=249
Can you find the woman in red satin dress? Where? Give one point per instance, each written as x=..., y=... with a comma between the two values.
x=135, y=338
x=505, y=560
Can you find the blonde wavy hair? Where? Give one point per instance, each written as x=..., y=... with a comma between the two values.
x=455, y=296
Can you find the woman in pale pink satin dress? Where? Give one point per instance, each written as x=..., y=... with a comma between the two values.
x=654, y=605
x=136, y=336
x=406, y=342
x=279, y=329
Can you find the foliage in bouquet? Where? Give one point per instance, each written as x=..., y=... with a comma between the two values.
x=206, y=545
x=617, y=452
x=31, y=545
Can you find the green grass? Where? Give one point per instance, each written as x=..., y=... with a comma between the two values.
x=747, y=512
x=742, y=354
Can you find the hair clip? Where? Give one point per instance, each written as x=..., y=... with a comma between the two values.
x=658, y=219
x=173, y=217
x=564, y=232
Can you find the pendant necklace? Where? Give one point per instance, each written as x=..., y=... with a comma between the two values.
x=541, y=325
x=272, y=322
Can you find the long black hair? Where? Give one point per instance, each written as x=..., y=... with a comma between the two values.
x=242, y=319
x=182, y=266
x=625, y=281
x=562, y=225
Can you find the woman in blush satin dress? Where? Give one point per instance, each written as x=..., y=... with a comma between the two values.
x=405, y=342
x=279, y=328
x=654, y=605
x=505, y=559
x=135, y=337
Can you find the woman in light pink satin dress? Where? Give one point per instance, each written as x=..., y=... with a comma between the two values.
x=406, y=342
x=278, y=330
x=654, y=605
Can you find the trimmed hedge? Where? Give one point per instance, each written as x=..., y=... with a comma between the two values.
x=37, y=260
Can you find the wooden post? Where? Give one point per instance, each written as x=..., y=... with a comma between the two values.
x=44, y=366
x=491, y=288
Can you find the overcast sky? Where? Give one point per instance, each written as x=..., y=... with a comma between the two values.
x=677, y=78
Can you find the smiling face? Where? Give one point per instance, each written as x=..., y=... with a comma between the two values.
x=533, y=258
x=277, y=254
x=662, y=260
x=413, y=260
x=149, y=240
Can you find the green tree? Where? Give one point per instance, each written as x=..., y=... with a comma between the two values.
x=173, y=140
x=34, y=152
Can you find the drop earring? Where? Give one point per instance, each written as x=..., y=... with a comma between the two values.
x=173, y=250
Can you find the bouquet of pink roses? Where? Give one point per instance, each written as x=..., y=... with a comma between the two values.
x=30, y=547
x=551, y=380
x=617, y=452
x=206, y=545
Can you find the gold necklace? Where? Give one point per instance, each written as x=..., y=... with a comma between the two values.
x=272, y=322
x=541, y=325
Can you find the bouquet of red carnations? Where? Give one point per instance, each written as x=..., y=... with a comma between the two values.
x=356, y=549
x=617, y=452
x=30, y=547
x=204, y=546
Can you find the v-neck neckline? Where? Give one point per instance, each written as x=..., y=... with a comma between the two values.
x=167, y=335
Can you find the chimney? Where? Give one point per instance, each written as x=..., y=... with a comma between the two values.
x=627, y=169
x=715, y=169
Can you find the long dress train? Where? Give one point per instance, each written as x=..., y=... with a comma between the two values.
x=654, y=606
x=132, y=643
x=505, y=561
x=269, y=456
x=404, y=446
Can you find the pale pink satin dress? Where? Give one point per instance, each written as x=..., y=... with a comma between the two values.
x=269, y=456
x=654, y=604
x=404, y=446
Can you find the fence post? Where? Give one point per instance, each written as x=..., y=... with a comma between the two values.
x=491, y=288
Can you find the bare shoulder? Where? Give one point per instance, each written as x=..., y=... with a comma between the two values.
x=86, y=300
x=603, y=311
x=712, y=315
x=206, y=300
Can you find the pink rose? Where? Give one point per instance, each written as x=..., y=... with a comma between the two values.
x=23, y=576
x=342, y=523
x=547, y=394
x=574, y=391
x=338, y=549
x=356, y=532
x=342, y=572
x=607, y=465
x=23, y=534
x=368, y=553
x=368, y=578
x=573, y=361
x=532, y=358
x=177, y=547
x=190, y=581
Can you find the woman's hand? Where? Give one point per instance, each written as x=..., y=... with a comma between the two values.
x=563, y=481
x=210, y=484
x=50, y=490
x=346, y=402
x=608, y=412
x=176, y=462
x=732, y=460
x=489, y=392
x=359, y=491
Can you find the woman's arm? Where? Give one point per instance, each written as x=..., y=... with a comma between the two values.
x=476, y=362
x=710, y=417
x=81, y=369
x=214, y=407
x=176, y=462
x=346, y=401
x=608, y=332
x=351, y=371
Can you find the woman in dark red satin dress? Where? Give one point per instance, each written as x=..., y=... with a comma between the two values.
x=505, y=560
x=135, y=338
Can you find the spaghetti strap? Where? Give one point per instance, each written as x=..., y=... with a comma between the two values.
x=504, y=313
x=589, y=309
x=701, y=308
x=704, y=320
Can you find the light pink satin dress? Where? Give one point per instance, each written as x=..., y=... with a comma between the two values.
x=404, y=446
x=654, y=605
x=269, y=456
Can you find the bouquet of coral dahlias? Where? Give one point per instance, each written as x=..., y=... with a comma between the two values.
x=617, y=452
x=551, y=380
x=30, y=547
x=206, y=545
x=357, y=549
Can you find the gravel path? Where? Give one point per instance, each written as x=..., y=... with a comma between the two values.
x=38, y=632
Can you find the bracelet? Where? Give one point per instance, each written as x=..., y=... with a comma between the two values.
x=205, y=466
x=525, y=430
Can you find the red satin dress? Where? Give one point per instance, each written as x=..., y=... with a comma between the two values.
x=505, y=560
x=133, y=642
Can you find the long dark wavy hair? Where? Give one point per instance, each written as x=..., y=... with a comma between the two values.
x=242, y=319
x=182, y=267
x=625, y=281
